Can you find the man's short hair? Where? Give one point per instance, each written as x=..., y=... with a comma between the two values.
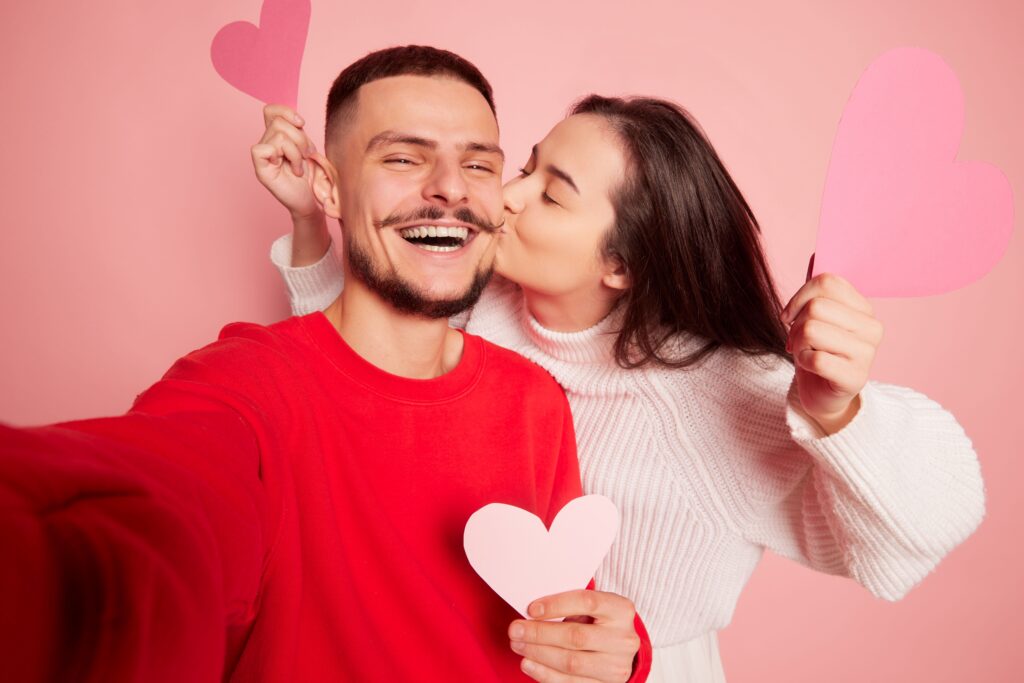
x=415, y=60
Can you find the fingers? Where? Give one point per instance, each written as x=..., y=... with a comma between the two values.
x=829, y=286
x=265, y=154
x=597, y=604
x=575, y=650
x=812, y=333
x=832, y=353
x=833, y=312
x=281, y=128
x=291, y=153
x=272, y=111
x=843, y=378
x=542, y=663
x=576, y=636
x=284, y=131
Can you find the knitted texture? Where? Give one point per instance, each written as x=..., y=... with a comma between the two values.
x=712, y=465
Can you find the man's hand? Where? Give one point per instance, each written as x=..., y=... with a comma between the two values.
x=597, y=642
x=280, y=161
x=833, y=337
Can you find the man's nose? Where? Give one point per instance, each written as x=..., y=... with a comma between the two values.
x=447, y=184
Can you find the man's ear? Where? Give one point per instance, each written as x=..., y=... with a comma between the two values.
x=325, y=184
x=615, y=274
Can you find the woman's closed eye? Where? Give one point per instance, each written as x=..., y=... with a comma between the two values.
x=545, y=197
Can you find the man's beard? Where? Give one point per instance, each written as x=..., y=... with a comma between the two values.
x=403, y=295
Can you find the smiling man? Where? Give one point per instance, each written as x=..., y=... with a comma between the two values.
x=287, y=503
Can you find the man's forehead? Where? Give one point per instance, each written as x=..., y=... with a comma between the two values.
x=421, y=104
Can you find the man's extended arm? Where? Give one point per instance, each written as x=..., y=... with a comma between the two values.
x=133, y=544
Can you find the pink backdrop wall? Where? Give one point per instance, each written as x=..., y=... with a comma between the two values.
x=133, y=228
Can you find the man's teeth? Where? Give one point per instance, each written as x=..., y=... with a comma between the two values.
x=431, y=247
x=435, y=231
x=426, y=237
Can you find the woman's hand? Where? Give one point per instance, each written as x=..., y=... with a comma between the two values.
x=597, y=641
x=833, y=337
x=280, y=160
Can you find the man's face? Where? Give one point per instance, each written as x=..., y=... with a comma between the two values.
x=419, y=184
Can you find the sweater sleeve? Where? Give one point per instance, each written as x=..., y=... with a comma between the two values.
x=310, y=288
x=133, y=546
x=315, y=287
x=881, y=501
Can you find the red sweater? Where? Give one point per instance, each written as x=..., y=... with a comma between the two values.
x=276, y=508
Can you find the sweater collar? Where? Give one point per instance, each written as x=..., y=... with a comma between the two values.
x=596, y=344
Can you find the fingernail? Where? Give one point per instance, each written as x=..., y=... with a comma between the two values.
x=537, y=609
x=517, y=631
x=528, y=666
x=518, y=646
x=299, y=120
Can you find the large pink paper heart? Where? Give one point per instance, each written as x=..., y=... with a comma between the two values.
x=265, y=61
x=521, y=560
x=900, y=216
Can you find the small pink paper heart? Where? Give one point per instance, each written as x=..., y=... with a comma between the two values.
x=900, y=216
x=522, y=561
x=264, y=61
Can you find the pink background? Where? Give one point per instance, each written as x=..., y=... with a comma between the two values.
x=133, y=228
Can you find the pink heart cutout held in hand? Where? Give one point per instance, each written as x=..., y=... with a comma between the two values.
x=265, y=61
x=900, y=216
x=522, y=561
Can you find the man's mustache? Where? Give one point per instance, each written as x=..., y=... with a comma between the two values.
x=434, y=213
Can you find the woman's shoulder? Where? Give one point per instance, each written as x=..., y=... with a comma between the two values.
x=725, y=374
x=496, y=310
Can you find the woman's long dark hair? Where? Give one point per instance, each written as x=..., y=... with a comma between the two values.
x=688, y=241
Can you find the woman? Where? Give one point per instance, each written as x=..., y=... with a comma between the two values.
x=720, y=422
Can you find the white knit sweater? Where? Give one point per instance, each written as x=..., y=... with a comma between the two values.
x=711, y=465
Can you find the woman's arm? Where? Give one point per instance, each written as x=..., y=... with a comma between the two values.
x=868, y=480
x=882, y=500
x=311, y=270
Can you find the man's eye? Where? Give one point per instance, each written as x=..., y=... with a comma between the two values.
x=479, y=167
x=523, y=172
x=398, y=161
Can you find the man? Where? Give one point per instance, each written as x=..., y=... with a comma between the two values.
x=288, y=502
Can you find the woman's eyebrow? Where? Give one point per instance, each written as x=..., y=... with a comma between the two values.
x=558, y=173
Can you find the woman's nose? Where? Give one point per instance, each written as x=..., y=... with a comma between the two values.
x=513, y=201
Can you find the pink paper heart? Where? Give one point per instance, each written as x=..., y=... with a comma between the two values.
x=900, y=216
x=264, y=61
x=521, y=560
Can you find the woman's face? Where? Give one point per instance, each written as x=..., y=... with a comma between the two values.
x=558, y=211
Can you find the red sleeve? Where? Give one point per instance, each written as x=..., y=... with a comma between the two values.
x=131, y=544
x=644, y=656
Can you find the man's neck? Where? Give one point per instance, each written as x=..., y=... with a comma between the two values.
x=399, y=343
